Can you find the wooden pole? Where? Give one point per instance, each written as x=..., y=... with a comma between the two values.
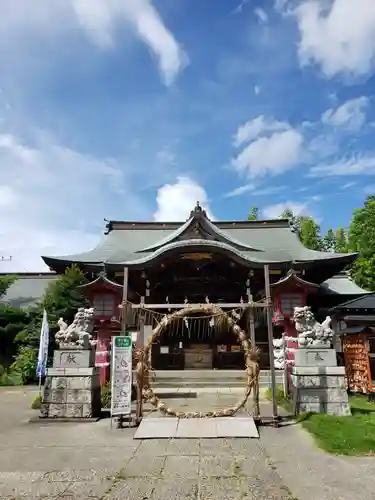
x=124, y=315
x=125, y=300
x=270, y=341
x=141, y=343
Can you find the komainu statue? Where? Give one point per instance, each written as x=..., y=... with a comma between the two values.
x=311, y=333
x=79, y=333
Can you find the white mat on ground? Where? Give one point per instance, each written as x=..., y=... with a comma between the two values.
x=195, y=428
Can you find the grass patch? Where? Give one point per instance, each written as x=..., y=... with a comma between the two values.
x=351, y=436
x=354, y=435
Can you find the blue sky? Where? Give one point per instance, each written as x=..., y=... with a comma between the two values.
x=136, y=109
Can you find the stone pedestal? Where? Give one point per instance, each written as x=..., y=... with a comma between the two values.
x=320, y=383
x=72, y=386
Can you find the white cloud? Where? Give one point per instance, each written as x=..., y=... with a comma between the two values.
x=338, y=35
x=175, y=201
x=257, y=90
x=256, y=127
x=158, y=37
x=351, y=114
x=274, y=211
x=99, y=19
x=348, y=185
x=54, y=199
x=270, y=155
x=363, y=165
x=240, y=190
x=261, y=15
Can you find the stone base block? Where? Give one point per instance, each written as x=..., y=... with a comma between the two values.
x=315, y=357
x=321, y=390
x=73, y=358
x=71, y=396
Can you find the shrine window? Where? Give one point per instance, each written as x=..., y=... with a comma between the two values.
x=289, y=302
x=104, y=305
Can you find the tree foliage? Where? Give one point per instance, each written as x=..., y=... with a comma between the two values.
x=308, y=231
x=254, y=213
x=361, y=239
x=12, y=321
x=61, y=299
x=5, y=282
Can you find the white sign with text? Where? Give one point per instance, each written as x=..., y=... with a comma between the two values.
x=121, y=386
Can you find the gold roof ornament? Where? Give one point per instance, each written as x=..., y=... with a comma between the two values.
x=196, y=256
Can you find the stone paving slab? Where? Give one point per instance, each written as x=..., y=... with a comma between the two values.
x=160, y=428
x=236, y=427
x=196, y=428
x=168, y=428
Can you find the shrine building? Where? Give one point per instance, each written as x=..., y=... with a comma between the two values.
x=200, y=260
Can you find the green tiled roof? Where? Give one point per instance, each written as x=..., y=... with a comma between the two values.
x=257, y=241
x=28, y=289
x=341, y=284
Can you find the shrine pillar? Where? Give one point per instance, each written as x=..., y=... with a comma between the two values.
x=105, y=296
x=288, y=293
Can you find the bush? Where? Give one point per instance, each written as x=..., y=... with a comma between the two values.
x=24, y=364
x=7, y=379
x=37, y=403
x=105, y=393
x=285, y=402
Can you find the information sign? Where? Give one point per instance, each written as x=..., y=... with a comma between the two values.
x=121, y=386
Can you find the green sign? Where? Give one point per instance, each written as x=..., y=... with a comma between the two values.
x=123, y=341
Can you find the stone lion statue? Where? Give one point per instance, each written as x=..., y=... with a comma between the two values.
x=310, y=332
x=79, y=333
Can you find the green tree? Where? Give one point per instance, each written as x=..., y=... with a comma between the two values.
x=12, y=321
x=329, y=241
x=287, y=214
x=307, y=228
x=341, y=243
x=254, y=213
x=361, y=239
x=61, y=299
x=5, y=282
x=309, y=233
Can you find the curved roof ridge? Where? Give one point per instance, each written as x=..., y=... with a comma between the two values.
x=291, y=274
x=206, y=243
x=101, y=277
x=213, y=227
x=230, y=238
x=169, y=238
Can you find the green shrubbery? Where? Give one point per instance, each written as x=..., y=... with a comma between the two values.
x=7, y=378
x=24, y=365
x=37, y=403
x=20, y=328
x=285, y=402
x=106, y=395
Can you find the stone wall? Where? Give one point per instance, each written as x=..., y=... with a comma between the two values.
x=71, y=392
x=319, y=383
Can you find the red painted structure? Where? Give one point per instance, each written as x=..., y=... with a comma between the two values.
x=287, y=293
x=105, y=296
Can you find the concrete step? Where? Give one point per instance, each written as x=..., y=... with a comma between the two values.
x=209, y=378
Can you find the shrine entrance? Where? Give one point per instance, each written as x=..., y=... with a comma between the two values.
x=196, y=353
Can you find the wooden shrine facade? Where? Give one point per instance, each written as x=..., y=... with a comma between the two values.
x=162, y=265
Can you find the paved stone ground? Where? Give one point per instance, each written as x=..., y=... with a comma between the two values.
x=89, y=461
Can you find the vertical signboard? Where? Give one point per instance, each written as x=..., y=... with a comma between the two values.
x=121, y=376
